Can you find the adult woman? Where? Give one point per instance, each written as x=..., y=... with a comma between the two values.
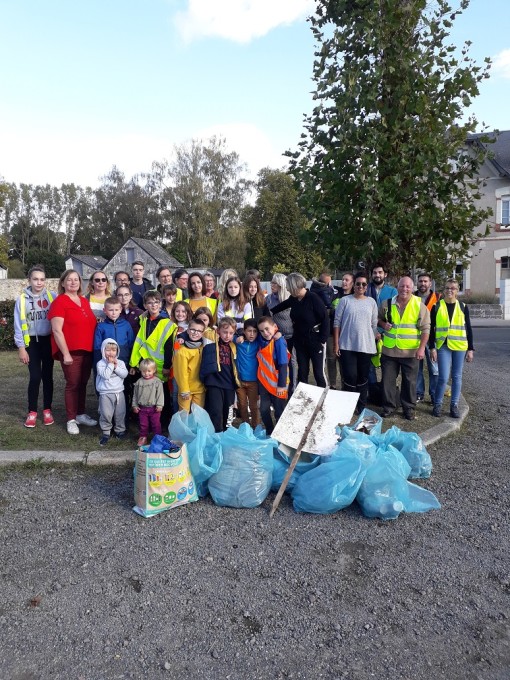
x=98, y=289
x=197, y=294
x=210, y=286
x=130, y=311
x=451, y=343
x=347, y=287
x=354, y=334
x=311, y=328
x=32, y=335
x=168, y=299
x=73, y=324
x=255, y=295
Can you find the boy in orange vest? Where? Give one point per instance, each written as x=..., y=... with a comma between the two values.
x=272, y=374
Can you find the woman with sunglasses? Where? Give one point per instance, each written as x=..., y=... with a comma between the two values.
x=354, y=336
x=98, y=289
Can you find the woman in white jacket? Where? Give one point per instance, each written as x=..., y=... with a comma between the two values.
x=32, y=335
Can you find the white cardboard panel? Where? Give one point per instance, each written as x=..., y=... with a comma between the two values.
x=338, y=409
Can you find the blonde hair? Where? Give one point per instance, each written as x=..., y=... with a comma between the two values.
x=90, y=284
x=64, y=278
x=147, y=363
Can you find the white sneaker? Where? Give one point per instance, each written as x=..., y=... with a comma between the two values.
x=72, y=427
x=84, y=419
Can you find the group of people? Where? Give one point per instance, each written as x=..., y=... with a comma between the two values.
x=191, y=340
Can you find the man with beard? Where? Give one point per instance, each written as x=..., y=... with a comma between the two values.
x=406, y=324
x=380, y=291
x=429, y=299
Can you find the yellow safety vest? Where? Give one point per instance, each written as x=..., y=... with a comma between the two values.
x=23, y=315
x=210, y=303
x=404, y=333
x=455, y=332
x=152, y=347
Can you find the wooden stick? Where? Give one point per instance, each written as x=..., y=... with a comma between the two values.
x=299, y=449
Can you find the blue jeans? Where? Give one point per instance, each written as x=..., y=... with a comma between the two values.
x=447, y=360
x=433, y=370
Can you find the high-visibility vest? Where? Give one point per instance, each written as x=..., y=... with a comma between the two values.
x=453, y=332
x=23, y=315
x=210, y=303
x=432, y=299
x=266, y=372
x=404, y=332
x=152, y=347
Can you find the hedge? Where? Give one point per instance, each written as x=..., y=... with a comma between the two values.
x=7, y=326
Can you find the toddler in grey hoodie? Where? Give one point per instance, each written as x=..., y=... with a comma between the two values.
x=111, y=372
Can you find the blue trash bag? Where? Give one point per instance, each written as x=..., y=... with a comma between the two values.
x=369, y=423
x=411, y=446
x=205, y=458
x=161, y=444
x=385, y=491
x=244, y=478
x=281, y=464
x=330, y=487
x=354, y=442
x=184, y=425
x=260, y=432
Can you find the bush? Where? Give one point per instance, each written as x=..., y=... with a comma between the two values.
x=7, y=325
x=480, y=299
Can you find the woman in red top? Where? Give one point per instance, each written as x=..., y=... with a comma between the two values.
x=73, y=324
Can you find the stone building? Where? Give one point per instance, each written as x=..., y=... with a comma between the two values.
x=85, y=265
x=149, y=252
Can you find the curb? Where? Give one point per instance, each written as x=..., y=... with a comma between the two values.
x=429, y=437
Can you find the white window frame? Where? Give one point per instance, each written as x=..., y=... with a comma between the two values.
x=503, y=208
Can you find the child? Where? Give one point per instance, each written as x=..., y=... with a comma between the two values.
x=114, y=327
x=247, y=364
x=32, y=335
x=181, y=316
x=111, y=371
x=233, y=303
x=154, y=335
x=186, y=365
x=169, y=296
x=218, y=372
x=272, y=373
x=204, y=314
x=148, y=400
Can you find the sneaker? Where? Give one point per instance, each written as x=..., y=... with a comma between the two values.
x=409, y=414
x=121, y=435
x=436, y=411
x=84, y=419
x=31, y=420
x=454, y=411
x=387, y=413
x=48, y=417
x=420, y=397
x=141, y=441
x=104, y=440
x=72, y=427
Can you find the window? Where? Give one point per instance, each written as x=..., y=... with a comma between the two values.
x=505, y=212
x=505, y=263
x=130, y=255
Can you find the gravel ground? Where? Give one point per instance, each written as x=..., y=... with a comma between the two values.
x=91, y=591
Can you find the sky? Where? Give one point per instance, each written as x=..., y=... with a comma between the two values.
x=88, y=85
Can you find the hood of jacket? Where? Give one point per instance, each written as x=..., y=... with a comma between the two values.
x=108, y=341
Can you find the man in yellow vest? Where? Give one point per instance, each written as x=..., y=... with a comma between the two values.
x=406, y=324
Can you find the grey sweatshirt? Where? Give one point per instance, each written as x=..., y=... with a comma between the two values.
x=36, y=310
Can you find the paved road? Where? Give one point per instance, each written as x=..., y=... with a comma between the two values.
x=90, y=590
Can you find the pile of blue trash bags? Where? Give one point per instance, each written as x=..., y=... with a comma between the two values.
x=240, y=466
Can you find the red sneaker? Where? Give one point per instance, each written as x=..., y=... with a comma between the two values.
x=47, y=417
x=142, y=441
x=31, y=420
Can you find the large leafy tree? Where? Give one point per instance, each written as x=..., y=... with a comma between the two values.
x=275, y=226
x=383, y=168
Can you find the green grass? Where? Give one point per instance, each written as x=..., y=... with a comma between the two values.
x=14, y=436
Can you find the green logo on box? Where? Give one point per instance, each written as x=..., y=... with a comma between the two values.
x=169, y=497
x=155, y=499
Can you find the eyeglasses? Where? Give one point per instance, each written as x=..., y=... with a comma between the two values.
x=361, y=285
x=123, y=295
x=195, y=330
x=100, y=280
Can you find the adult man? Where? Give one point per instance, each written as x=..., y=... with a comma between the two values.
x=164, y=276
x=180, y=278
x=121, y=279
x=380, y=291
x=139, y=285
x=406, y=324
x=429, y=299
x=323, y=288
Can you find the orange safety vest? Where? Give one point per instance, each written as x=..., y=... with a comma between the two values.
x=431, y=300
x=266, y=372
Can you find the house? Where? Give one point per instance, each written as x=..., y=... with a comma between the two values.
x=149, y=252
x=85, y=265
x=490, y=255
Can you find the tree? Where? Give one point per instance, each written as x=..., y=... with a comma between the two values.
x=203, y=192
x=383, y=168
x=275, y=227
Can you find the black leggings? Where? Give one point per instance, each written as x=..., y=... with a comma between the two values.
x=40, y=367
x=311, y=350
x=355, y=370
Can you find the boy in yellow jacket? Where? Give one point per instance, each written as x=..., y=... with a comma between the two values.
x=186, y=364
